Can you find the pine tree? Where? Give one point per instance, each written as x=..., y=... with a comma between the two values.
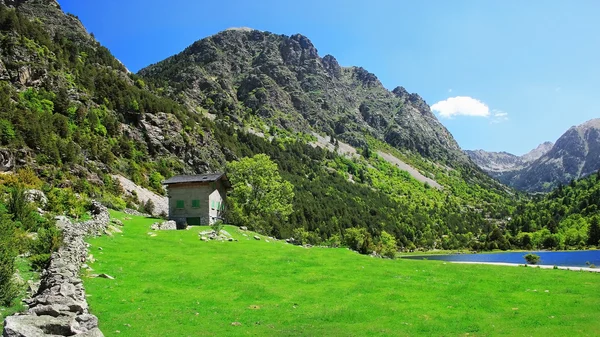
x=594, y=232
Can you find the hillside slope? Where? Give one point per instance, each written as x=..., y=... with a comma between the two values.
x=575, y=154
x=74, y=114
x=255, y=287
x=249, y=76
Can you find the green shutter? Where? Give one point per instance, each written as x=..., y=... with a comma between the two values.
x=180, y=204
x=195, y=203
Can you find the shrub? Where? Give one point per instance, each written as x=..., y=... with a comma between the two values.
x=217, y=226
x=39, y=262
x=532, y=258
x=359, y=239
x=8, y=252
x=147, y=207
x=387, y=245
x=334, y=241
x=300, y=236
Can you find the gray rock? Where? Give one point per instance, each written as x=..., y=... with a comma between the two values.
x=117, y=222
x=91, y=333
x=58, y=306
x=244, y=228
x=7, y=160
x=106, y=276
x=36, y=196
x=256, y=237
x=39, y=326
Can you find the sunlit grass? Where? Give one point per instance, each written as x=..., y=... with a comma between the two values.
x=173, y=284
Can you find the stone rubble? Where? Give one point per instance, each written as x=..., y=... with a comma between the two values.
x=212, y=235
x=59, y=306
x=164, y=226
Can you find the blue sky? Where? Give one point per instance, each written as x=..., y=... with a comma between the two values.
x=506, y=75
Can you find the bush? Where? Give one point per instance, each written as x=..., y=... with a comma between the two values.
x=387, y=246
x=532, y=258
x=8, y=253
x=359, y=239
x=334, y=241
x=217, y=226
x=40, y=262
x=300, y=236
x=149, y=206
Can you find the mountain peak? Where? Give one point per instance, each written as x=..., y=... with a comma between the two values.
x=17, y=3
x=240, y=29
x=591, y=124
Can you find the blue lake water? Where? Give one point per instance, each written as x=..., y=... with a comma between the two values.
x=570, y=259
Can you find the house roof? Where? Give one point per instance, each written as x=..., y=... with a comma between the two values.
x=197, y=178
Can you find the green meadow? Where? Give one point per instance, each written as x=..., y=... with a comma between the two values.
x=174, y=284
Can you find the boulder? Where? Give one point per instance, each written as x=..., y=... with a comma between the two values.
x=256, y=237
x=36, y=196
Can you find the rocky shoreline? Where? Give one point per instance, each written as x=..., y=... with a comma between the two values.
x=60, y=308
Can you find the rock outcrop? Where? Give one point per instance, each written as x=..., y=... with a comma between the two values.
x=59, y=308
x=239, y=73
x=164, y=226
x=576, y=154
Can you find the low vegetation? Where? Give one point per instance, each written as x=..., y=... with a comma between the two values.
x=173, y=284
x=566, y=218
x=532, y=258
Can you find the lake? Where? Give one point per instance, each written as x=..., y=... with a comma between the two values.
x=569, y=259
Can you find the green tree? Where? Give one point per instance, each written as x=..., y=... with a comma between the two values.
x=258, y=194
x=8, y=252
x=387, y=245
x=532, y=258
x=359, y=239
x=594, y=232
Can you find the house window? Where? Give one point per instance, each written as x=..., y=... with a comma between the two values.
x=195, y=203
x=180, y=204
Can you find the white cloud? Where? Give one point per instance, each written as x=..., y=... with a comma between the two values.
x=461, y=106
x=499, y=117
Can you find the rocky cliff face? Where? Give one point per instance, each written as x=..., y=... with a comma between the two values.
x=244, y=74
x=496, y=163
x=576, y=154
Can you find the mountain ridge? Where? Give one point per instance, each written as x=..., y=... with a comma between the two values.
x=575, y=155
x=282, y=79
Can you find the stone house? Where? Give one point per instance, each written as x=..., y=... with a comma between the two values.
x=197, y=199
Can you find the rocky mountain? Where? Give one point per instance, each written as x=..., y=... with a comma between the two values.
x=539, y=151
x=248, y=75
x=75, y=117
x=496, y=163
x=67, y=103
x=575, y=154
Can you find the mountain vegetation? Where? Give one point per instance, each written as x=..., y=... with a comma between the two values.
x=566, y=218
x=75, y=115
x=71, y=116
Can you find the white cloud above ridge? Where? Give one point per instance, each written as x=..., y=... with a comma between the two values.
x=499, y=117
x=461, y=106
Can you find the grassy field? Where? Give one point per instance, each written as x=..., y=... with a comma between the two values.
x=173, y=284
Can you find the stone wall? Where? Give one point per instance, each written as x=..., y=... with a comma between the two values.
x=59, y=308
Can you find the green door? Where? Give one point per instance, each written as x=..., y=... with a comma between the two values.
x=194, y=221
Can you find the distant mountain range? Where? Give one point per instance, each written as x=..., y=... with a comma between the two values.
x=575, y=154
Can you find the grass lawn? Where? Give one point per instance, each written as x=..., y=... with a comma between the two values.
x=176, y=285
